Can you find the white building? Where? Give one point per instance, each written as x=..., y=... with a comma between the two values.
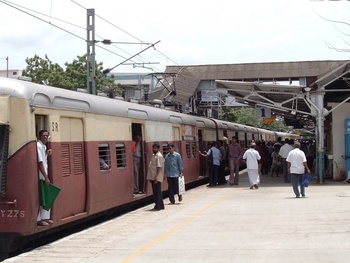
x=11, y=73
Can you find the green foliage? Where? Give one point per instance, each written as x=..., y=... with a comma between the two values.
x=43, y=71
x=247, y=116
x=228, y=115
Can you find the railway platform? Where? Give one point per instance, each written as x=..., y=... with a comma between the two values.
x=220, y=224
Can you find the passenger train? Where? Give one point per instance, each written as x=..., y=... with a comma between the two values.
x=84, y=128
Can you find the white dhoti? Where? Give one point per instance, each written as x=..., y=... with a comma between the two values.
x=43, y=214
x=253, y=175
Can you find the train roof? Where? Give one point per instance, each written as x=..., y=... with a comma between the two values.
x=58, y=98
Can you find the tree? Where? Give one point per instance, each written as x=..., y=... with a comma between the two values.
x=228, y=115
x=43, y=71
x=243, y=116
x=247, y=116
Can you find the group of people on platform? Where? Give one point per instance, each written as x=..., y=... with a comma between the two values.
x=292, y=158
x=160, y=168
x=219, y=157
x=289, y=157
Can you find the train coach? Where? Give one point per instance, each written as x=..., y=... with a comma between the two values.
x=83, y=129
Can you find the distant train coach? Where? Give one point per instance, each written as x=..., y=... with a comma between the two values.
x=83, y=130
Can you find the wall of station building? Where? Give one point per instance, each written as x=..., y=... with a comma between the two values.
x=337, y=148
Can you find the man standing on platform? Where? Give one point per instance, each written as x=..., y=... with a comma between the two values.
x=155, y=176
x=214, y=152
x=234, y=155
x=296, y=167
x=221, y=177
x=173, y=169
x=252, y=156
x=284, y=151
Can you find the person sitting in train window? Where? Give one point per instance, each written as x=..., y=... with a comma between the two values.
x=103, y=165
x=43, y=218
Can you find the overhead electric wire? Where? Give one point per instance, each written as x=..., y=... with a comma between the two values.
x=126, y=33
x=8, y=3
x=66, y=22
x=109, y=22
x=141, y=42
x=63, y=21
x=142, y=59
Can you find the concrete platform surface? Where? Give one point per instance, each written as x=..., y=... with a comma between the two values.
x=220, y=224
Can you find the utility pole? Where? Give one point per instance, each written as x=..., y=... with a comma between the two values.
x=90, y=55
x=7, y=67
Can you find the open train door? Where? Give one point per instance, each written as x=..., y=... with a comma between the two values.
x=66, y=165
x=202, y=161
x=137, y=129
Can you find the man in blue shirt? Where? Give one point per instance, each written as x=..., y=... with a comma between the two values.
x=173, y=169
x=213, y=173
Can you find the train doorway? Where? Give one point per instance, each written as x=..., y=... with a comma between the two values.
x=138, y=159
x=202, y=161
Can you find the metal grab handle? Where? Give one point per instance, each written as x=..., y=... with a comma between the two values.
x=14, y=202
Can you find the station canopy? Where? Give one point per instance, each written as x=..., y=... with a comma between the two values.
x=287, y=100
x=290, y=100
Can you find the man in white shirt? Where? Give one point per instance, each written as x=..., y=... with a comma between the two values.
x=43, y=218
x=252, y=156
x=297, y=164
x=284, y=151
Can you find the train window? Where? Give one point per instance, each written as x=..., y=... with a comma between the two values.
x=104, y=155
x=194, y=149
x=120, y=154
x=188, y=149
x=165, y=149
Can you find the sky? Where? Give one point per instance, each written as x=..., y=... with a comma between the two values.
x=190, y=32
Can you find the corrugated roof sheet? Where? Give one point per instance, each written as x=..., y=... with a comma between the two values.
x=187, y=78
x=183, y=82
x=259, y=70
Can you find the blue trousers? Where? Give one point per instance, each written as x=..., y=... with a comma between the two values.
x=296, y=181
